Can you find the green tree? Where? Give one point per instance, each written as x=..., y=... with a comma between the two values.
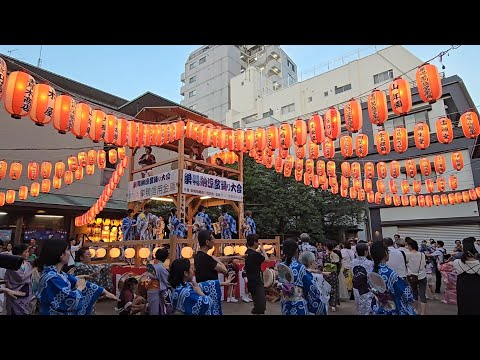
x=284, y=206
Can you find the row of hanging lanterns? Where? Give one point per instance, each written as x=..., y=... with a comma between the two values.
x=99, y=205
x=227, y=157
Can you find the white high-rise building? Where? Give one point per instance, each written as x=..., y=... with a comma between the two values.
x=208, y=70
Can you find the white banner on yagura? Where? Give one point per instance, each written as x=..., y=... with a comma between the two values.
x=196, y=183
x=157, y=185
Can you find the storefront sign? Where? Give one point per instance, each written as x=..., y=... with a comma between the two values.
x=157, y=185
x=196, y=183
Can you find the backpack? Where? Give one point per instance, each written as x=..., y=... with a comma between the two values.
x=360, y=279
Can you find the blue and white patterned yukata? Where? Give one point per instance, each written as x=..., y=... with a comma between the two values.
x=229, y=226
x=249, y=227
x=128, y=230
x=188, y=302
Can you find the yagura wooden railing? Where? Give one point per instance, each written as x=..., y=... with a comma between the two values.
x=175, y=246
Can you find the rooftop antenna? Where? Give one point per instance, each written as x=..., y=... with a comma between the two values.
x=39, y=62
x=11, y=51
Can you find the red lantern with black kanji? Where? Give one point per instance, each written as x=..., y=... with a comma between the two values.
x=298, y=175
x=444, y=199
x=429, y=83
x=395, y=169
x=45, y=187
x=453, y=182
x=249, y=140
x=367, y=185
x=121, y=132
x=96, y=126
x=110, y=127
x=222, y=140
x=345, y=169
x=380, y=186
x=377, y=107
x=101, y=159
x=425, y=167
x=148, y=134
x=15, y=170
x=400, y=139
x=10, y=197
x=334, y=189
x=91, y=157
x=343, y=192
x=451, y=199
x=332, y=181
x=122, y=153
x=316, y=129
x=300, y=151
x=132, y=134
x=405, y=200
x=344, y=182
x=63, y=113
x=393, y=186
x=413, y=200
x=315, y=182
x=3, y=169
x=309, y=165
x=307, y=179
x=285, y=136
x=361, y=194
x=355, y=170
x=323, y=180
x=112, y=156
x=436, y=200
x=330, y=168
x=272, y=137
x=239, y=139
x=57, y=182
x=440, y=164
x=328, y=148
x=428, y=201
x=388, y=199
x=82, y=159
x=430, y=185
x=313, y=150
x=457, y=160
x=283, y=153
x=421, y=135
x=458, y=197
x=421, y=200
x=3, y=77
x=361, y=148
x=59, y=169
x=470, y=124
x=381, y=170
x=19, y=94
x=23, y=192
x=332, y=122
x=299, y=132
x=411, y=168
x=320, y=167
x=352, y=113
x=417, y=186
x=289, y=162
x=43, y=102
x=82, y=120
x=441, y=183
x=382, y=140
x=68, y=177
x=33, y=170
x=35, y=189
x=352, y=192
x=369, y=170
x=79, y=174
x=357, y=184
x=473, y=194
x=46, y=169
x=370, y=196
x=230, y=137
x=400, y=96
x=405, y=186
x=444, y=130
x=90, y=169
x=346, y=146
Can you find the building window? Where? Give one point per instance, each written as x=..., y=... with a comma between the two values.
x=249, y=119
x=398, y=122
x=288, y=109
x=291, y=79
x=236, y=124
x=193, y=65
x=192, y=79
x=340, y=89
x=242, y=69
x=202, y=60
x=268, y=113
x=193, y=107
x=383, y=76
x=325, y=93
x=290, y=65
x=309, y=99
x=192, y=93
x=242, y=83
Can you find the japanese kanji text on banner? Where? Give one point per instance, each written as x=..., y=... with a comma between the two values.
x=157, y=185
x=196, y=183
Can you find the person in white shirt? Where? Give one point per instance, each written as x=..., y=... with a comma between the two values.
x=438, y=255
x=396, y=259
x=416, y=264
x=73, y=249
x=347, y=257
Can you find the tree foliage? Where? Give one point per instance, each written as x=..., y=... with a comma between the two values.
x=283, y=206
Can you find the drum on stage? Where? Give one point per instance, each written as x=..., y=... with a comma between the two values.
x=269, y=277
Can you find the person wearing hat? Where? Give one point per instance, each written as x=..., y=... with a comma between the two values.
x=146, y=160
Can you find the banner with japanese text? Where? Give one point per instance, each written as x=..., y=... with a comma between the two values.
x=157, y=185
x=196, y=183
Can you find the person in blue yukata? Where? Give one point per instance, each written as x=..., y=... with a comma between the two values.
x=190, y=298
x=128, y=226
x=60, y=293
x=397, y=297
x=176, y=229
x=228, y=224
x=300, y=296
x=249, y=226
x=203, y=220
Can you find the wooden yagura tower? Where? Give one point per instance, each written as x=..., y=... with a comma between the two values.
x=186, y=203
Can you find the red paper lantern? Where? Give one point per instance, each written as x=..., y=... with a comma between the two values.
x=395, y=169
x=346, y=146
x=388, y=199
x=369, y=170
x=453, y=182
x=307, y=179
x=344, y=182
x=309, y=165
x=440, y=164
x=101, y=159
x=230, y=137
x=122, y=153
x=429, y=83
x=272, y=137
x=458, y=197
x=382, y=170
x=68, y=177
x=299, y=132
x=425, y=167
x=383, y=142
x=421, y=200
x=352, y=112
x=90, y=169
x=301, y=151
x=46, y=169
x=285, y=136
x=430, y=185
x=332, y=181
x=283, y=153
x=313, y=150
x=110, y=128
x=393, y=186
x=57, y=182
x=441, y=183
x=330, y=168
x=315, y=182
x=132, y=134
x=361, y=195
x=316, y=129
x=298, y=175
x=370, y=196
x=79, y=174
x=405, y=187
x=444, y=199
x=82, y=159
x=444, y=130
x=3, y=168
x=361, y=148
x=147, y=134
x=33, y=170
x=413, y=200
x=470, y=124
x=355, y=169
x=367, y=185
x=451, y=199
x=473, y=195
x=289, y=162
x=15, y=170
x=45, y=187
x=23, y=192
x=428, y=201
x=91, y=157
x=380, y=186
x=421, y=134
x=436, y=200
x=400, y=139
x=417, y=186
x=43, y=102
x=457, y=160
x=328, y=148
x=345, y=169
x=257, y=142
x=60, y=169
x=10, y=197
x=405, y=200
x=3, y=77
x=377, y=107
x=334, y=189
x=82, y=119
x=63, y=113
x=34, y=189
x=121, y=132
x=353, y=193
x=249, y=140
x=357, y=184
x=411, y=168
x=19, y=94
x=112, y=156
x=320, y=167
x=332, y=123
x=97, y=124
x=400, y=96
x=180, y=129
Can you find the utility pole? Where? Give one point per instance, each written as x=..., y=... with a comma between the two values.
x=39, y=63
